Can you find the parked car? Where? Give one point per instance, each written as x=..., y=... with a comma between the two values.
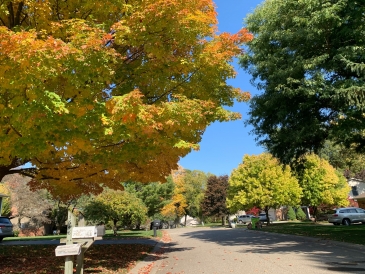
x=242, y=219
x=347, y=216
x=263, y=218
x=6, y=228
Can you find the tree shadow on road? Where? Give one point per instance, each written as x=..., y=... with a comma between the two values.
x=329, y=255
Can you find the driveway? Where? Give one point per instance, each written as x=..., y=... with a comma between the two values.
x=224, y=250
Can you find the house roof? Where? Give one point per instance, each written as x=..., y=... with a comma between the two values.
x=356, y=180
x=361, y=197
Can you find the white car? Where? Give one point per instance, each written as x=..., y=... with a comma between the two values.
x=263, y=218
x=347, y=216
x=244, y=218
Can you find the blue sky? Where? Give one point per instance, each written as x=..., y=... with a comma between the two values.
x=224, y=144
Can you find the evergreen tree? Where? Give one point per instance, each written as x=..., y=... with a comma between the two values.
x=291, y=214
x=300, y=214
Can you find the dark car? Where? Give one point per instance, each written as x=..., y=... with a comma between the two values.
x=6, y=228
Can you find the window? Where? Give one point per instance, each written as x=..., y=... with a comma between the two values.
x=354, y=190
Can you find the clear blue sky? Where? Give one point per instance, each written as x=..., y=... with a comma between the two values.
x=224, y=144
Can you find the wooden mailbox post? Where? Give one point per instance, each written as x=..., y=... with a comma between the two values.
x=77, y=242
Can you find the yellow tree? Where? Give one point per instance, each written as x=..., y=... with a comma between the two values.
x=6, y=204
x=322, y=184
x=263, y=182
x=93, y=93
x=176, y=208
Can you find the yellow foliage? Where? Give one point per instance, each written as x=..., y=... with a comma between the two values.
x=94, y=92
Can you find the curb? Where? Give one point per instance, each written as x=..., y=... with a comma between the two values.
x=147, y=264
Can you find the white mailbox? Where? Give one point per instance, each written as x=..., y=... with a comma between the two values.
x=82, y=232
x=68, y=250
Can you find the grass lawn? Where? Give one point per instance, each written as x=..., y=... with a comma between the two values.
x=350, y=234
x=110, y=258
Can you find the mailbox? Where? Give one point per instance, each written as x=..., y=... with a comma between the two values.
x=67, y=250
x=79, y=232
x=100, y=230
x=156, y=223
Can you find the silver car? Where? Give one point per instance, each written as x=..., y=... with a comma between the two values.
x=244, y=218
x=347, y=216
x=6, y=228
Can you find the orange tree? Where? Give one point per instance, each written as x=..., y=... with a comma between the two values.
x=93, y=93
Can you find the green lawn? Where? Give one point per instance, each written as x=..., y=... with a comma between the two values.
x=350, y=234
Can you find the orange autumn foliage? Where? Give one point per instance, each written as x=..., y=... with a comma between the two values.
x=93, y=93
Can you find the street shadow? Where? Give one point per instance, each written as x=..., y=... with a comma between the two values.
x=332, y=256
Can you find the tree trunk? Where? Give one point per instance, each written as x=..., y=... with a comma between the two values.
x=267, y=215
x=315, y=213
x=115, y=227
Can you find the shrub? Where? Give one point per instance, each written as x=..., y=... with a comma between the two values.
x=291, y=214
x=301, y=215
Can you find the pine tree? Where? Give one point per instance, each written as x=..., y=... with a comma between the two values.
x=300, y=214
x=291, y=214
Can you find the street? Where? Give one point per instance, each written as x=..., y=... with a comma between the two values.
x=225, y=250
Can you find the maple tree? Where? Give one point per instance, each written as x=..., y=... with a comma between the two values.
x=176, y=207
x=96, y=93
x=321, y=183
x=262, y=181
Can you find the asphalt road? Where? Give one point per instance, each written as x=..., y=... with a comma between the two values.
x=225, y=250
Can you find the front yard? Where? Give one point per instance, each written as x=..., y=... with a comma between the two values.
x=351, y=234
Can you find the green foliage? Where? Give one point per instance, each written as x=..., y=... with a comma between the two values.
x=346, y=160
x=261, y=181
x=291, y=214
x=308, y=59
x=195, y=184
x=154, y=195
x=300, y=214
x=6, y=201
x=6, y=207
x=117, y=206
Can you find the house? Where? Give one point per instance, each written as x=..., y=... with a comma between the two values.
x=357, y=193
